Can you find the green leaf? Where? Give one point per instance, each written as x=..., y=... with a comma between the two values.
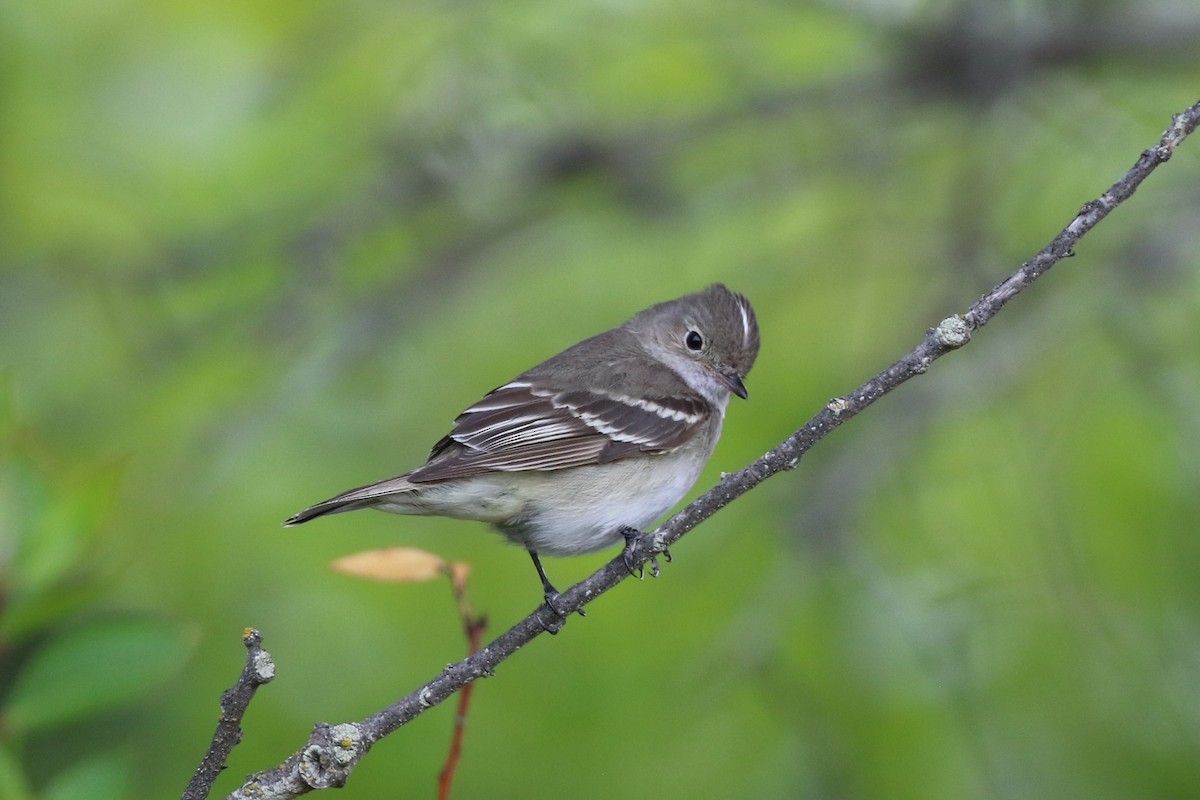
x=64, y=516
x=91, y=668
x=30, y=614
x=99, y=778
x=52, y=520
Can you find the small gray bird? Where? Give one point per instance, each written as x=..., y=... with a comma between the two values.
x=591, y=445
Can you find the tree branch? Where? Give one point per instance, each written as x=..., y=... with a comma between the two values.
x=259, y=669
x=332, y=751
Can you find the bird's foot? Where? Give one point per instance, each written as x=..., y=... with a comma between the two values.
x=654, y=561
x=631, y=537
x=553, y=622
x=551, y=595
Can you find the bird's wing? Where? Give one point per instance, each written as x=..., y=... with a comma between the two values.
x=521, y=426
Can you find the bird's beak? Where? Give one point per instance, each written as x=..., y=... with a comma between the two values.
x=730, y=378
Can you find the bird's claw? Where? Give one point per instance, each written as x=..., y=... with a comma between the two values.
x=631, y=537
x=551, y=597
x=551, y=594
x=553, y=625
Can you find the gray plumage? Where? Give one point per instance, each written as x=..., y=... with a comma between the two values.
x=606, y=435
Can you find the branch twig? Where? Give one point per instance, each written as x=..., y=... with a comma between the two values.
x=474, y=627
x=332, y=751
x=259, y=669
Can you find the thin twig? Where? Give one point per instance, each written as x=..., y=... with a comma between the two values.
x=473, y=629
x=446, y=777
x=259, y=669
x=332, y=751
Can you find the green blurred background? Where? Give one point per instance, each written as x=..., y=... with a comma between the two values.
x=252, y=254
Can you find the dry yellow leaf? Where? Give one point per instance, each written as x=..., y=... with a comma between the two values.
x=392, y=565
x=459, y=571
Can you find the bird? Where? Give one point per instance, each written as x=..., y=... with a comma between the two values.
x=590, y=446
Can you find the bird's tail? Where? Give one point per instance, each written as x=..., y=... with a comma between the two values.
x=362, y=497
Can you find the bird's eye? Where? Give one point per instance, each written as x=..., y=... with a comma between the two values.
x=693, y=340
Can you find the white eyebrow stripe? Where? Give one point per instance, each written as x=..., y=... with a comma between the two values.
x=745, y=322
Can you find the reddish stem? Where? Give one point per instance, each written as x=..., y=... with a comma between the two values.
x=473, y=627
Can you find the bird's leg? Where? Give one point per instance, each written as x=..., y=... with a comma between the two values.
x=548, y=589
x=549, y=592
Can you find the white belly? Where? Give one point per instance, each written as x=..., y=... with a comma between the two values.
x=565, y=512
x=598, y=502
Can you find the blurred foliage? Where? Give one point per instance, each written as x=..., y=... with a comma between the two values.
x=253, y=254
x=64, y=660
